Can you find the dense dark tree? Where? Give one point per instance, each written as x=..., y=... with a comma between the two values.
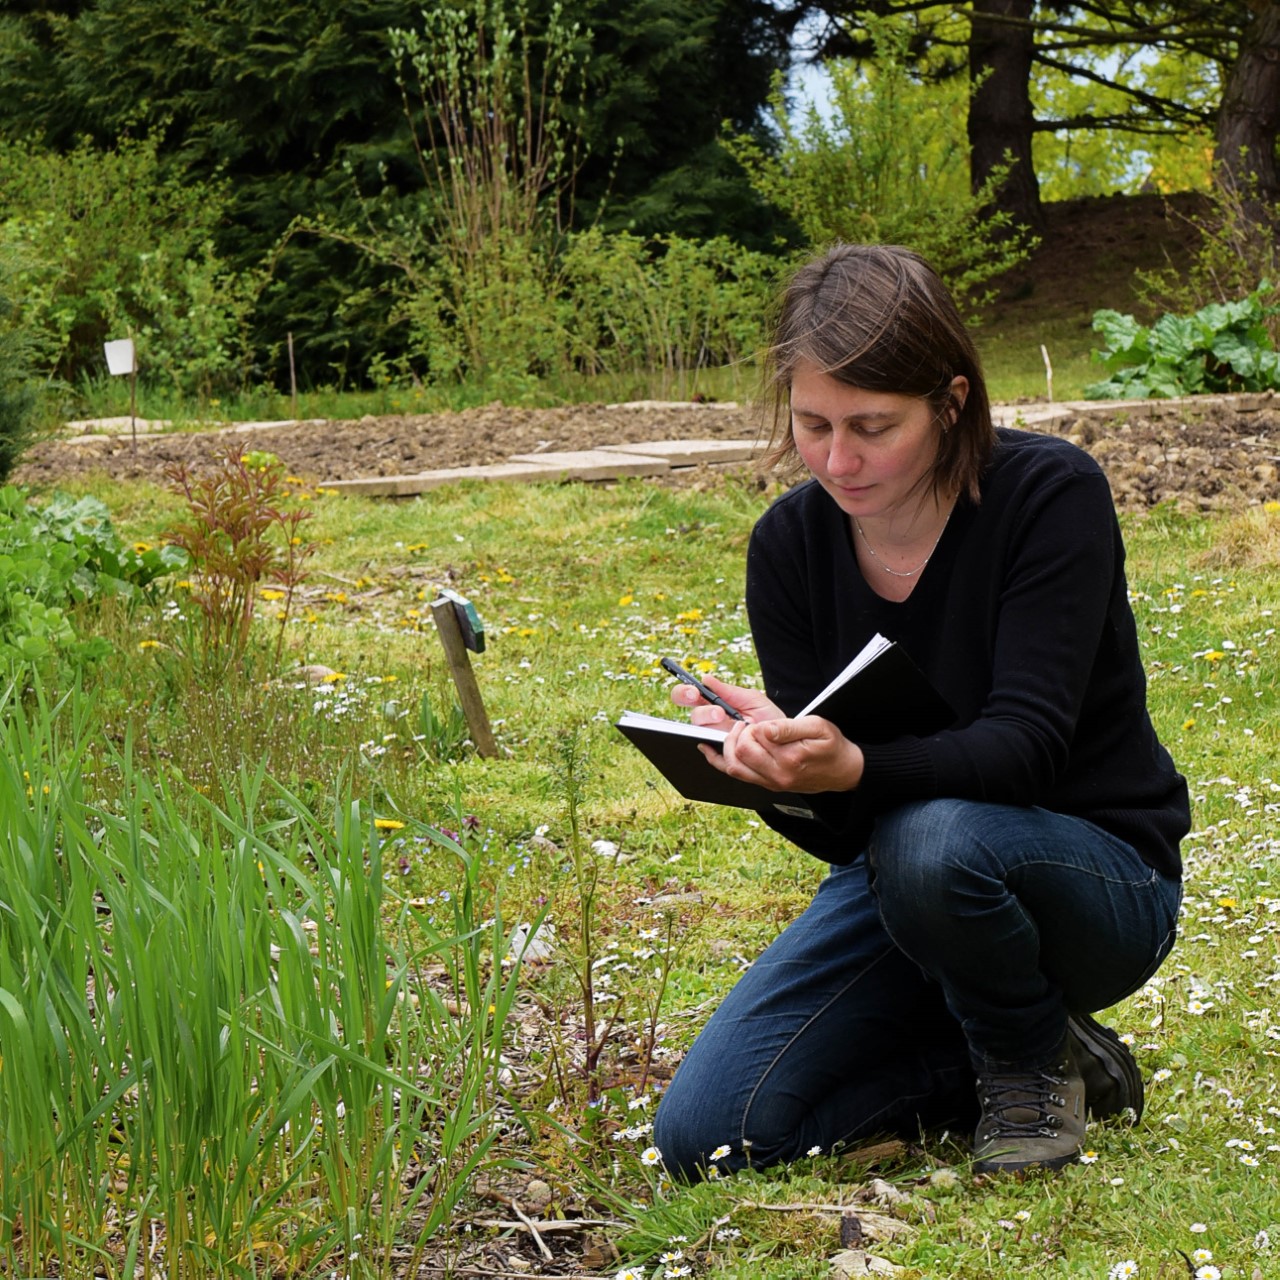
x=296, y=104
x=665, y=75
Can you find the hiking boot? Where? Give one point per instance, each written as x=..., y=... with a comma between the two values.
x=1112, y=1081
x=1031, y=1118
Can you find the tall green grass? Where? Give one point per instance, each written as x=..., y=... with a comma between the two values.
x=222, y=1052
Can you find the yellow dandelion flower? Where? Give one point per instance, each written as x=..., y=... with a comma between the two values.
x=334, y=676
x=148, y=644
x=527, y=631
x=1214, y=655
x=271, y=593
x=1271, y=507
x=1189, y=722
x=1227, y=902
x=388, y=824
x=623, y=601
x=704, y=666
x=689, y=615
x=336, y=597
x=294, y=480
x=142, y=547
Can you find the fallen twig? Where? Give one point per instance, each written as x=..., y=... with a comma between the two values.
x=533, y=1231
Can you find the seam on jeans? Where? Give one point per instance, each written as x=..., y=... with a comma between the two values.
x=1147, y=883
x=890, y=947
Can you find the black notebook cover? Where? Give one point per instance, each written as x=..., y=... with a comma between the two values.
x=879, y=696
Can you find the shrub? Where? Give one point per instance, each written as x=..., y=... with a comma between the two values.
x=1235, y=252
x=1222, y=347
x=888, y=166
x=240, y=534
x=66, y=553
x=17, y=391
x=668, y=304
x=109, y=245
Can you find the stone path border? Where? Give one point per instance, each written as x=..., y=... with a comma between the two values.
x=614, y=462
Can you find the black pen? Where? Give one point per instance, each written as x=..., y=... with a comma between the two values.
x=670, y=664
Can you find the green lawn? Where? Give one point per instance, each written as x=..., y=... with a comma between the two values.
x=581, y=590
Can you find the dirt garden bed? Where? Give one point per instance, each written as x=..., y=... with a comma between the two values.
x=1200, y=459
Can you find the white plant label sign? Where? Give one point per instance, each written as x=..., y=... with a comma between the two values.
x=121, y=357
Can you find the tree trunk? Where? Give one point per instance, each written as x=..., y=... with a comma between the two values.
x=1249, y=117
x=1000, y=116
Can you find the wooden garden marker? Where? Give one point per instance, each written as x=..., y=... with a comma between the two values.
x=460, y=629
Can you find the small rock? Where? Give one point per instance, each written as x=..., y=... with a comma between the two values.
x=529, y=949
x=537, y=1196
x=316, y=674
x=856, y=1262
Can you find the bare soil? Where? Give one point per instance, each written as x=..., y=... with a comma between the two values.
x=1210, y=460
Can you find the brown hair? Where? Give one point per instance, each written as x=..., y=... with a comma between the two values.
x=879, y=318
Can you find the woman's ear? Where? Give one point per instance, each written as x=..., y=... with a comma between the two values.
x=959, y=394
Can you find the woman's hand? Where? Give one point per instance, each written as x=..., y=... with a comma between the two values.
x=751, y=702
x=807, y=755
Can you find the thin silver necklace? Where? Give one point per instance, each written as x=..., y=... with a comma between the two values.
x=902, y=573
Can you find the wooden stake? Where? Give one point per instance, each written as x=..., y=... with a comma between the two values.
x=464, y=680
x=293, y=380
x=1048, y=370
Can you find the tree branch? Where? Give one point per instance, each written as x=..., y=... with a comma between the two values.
x=1164, y=108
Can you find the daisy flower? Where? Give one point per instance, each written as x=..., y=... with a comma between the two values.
x=721, y=1151
x=650, y=1156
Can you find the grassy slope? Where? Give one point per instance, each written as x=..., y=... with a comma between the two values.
x=1086, y=261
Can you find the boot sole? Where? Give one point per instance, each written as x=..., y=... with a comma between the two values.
x=1108, y=1049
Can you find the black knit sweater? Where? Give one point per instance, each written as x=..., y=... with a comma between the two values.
x=1021, y=619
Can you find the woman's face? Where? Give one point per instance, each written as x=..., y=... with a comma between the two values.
x=870, y=450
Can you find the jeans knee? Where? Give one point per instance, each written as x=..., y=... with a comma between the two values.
x=683, y=1140
x=921, y=854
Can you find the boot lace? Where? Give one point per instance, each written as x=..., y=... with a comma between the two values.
x=1019, y=1105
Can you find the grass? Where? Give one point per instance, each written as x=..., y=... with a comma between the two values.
x=581, y=590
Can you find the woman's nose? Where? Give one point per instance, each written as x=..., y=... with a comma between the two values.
x=845, y=456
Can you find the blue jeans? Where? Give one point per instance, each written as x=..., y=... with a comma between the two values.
x=963, y=937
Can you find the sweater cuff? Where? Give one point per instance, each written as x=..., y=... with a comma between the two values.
x=895, y=772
